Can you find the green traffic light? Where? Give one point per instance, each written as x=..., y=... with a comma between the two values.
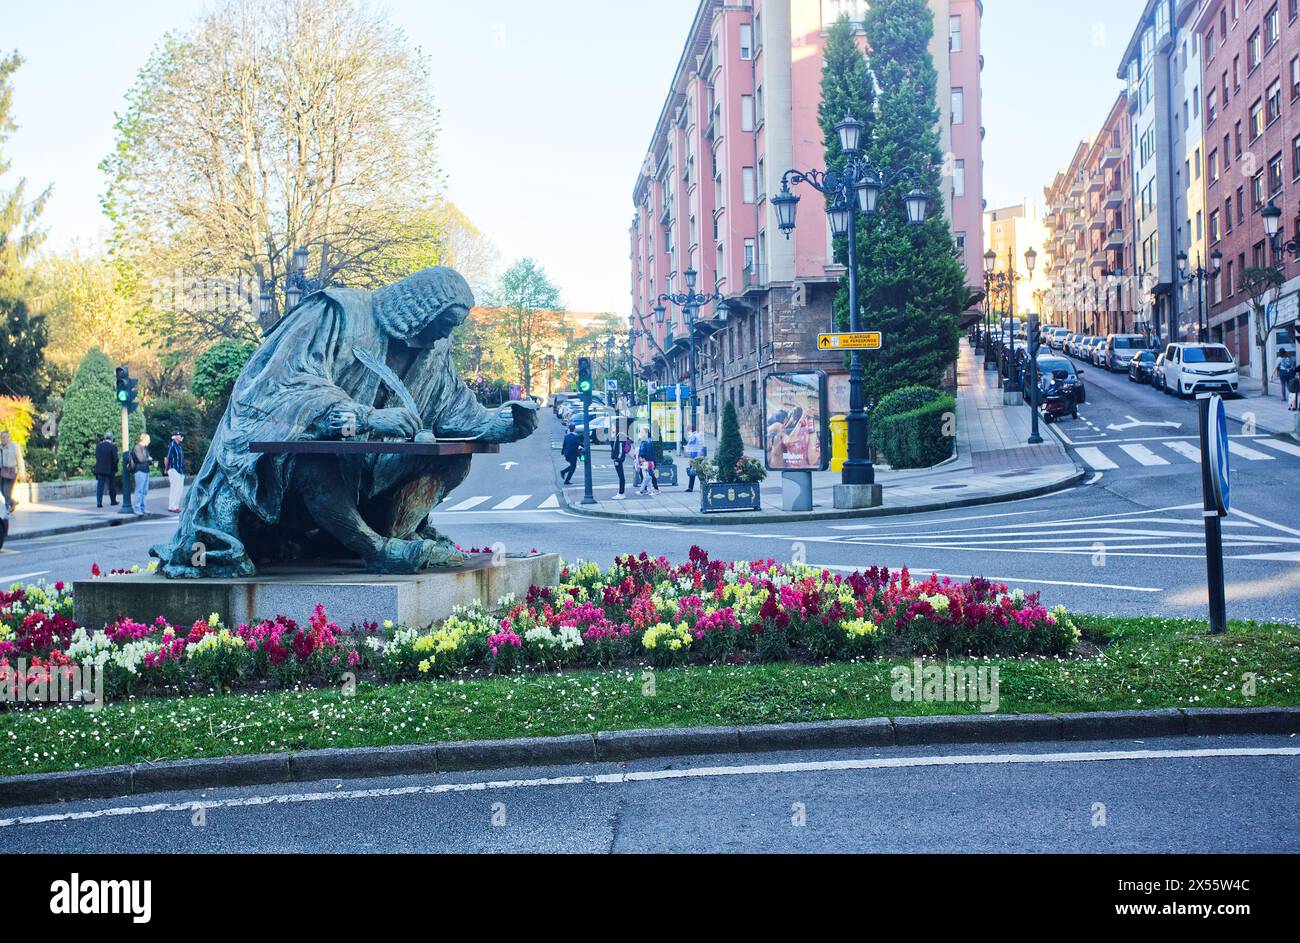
x=122, y=395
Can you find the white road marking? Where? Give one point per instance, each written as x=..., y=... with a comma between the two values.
x=551, y=502
x=1266, y=523
x=698, y=772
x=1185, y=449
x=6, y=580
x=470, y=503
x=1144, y=455
x=1289, y=447
x=1096, y=458
x=512, y=502
x=1250, y=455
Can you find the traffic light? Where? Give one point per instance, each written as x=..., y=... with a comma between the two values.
x=126, y=390
x=584, y=375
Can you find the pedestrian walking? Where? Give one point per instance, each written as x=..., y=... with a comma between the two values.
x=619, y=448
x=12, y=468
x=174, y=466
x=138, y=465
x=1286, y=372
x=570, y=449
x=105, y=471
x=694, y=449
x=645, y=460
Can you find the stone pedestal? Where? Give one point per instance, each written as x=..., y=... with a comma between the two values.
x=796, y=491
x=348, y=593
x=1011, y=397
x=854, y=497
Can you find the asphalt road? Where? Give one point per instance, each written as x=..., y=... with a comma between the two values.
x=1129, y=542
x=1215, y=794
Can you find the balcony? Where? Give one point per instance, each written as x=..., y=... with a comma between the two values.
x=1111, y=156
x=1099, y=221
x=1114, y=198
x=1076, y=188
x=1096, y=182
x=1115, y=240
x=1076, y=224
x=754, y=277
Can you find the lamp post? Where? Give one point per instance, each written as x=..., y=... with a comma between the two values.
x=990, y=358
x=690, y=301
x=1200, y=276
x=1031, y=259
x=853, y=190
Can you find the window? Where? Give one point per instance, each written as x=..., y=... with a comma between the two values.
x=954, y=33
x=959, y=179
x=1257, y=190
x=747, y=112
x=1215, y=234
x=749, y=254
x=1295, y=75
x=1236, y=134
x=1198, y=163
x=1225, y=87
x=1213, y=166
x=1211, y=107
x=1275, y=174
x=958, y=106
x=747, y=184
x=1295, y=157
x=1200, y=224
x=1231, y=282
x=1241, y=205
x=746, y=41
x=1254, y=51
x=1256, y=119
x=1272, y=27
x=1236, y=75
x=1273, y=102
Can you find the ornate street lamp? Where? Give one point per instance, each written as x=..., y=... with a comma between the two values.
x=854, y=189
x=1031, y=258
x=990, y=260
x=1200, y=276
x=690, y=302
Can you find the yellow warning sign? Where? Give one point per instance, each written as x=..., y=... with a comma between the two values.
x=863, y=340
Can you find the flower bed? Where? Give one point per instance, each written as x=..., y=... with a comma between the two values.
x=639, y=610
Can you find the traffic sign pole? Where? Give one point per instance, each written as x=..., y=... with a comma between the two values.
x=1211, y=430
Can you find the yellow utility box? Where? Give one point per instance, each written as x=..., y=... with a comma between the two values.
x=839, y=442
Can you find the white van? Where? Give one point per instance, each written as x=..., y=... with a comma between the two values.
x=1199, y=368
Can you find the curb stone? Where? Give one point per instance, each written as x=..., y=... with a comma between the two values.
x=613, y=746
x=89, y=525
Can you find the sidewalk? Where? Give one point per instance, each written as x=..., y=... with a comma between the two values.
x=1269, y=412
x=992, y=463
x=50, y=518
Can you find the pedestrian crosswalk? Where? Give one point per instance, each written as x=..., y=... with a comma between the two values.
x=1163, y=452
x=486, y=502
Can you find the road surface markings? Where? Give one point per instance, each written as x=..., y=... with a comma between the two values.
x=6, y=580
x=1144, y=455
x=1252, y=455
x=1096, y=459
x=657, y=775
x=1289, y=447
x=512, y=502
x=1186, y=450
x=552, y=502
x=470, y=503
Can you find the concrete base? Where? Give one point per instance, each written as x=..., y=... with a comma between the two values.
x=796, y=491
x=852, y=497
x=1012, y=398
x=350, y=595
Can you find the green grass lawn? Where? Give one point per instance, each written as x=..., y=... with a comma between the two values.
x=1147, y=663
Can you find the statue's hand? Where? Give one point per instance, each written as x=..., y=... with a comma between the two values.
x=347, y=420
x=396, y=422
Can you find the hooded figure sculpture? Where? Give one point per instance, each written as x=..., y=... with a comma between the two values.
x=307, y=381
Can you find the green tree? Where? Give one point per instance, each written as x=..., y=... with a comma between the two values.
x=19, y=233
x=846, y=90
x=215, y=373
x=912, y=286
x=528, y=313
x=22, y=355
x=731, y=447
x=90, y=409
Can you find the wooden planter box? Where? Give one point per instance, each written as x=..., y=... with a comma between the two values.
x=729, y=496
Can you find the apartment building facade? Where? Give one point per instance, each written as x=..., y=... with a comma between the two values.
x=742, y=109
x=1251, y=81
x=1009, y=232
x=1094, y=284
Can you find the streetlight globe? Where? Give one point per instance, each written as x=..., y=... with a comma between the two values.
x=850, y=131
x=1031, y=258
x=300, y=259
x=1216, y=259
x=841, y=217
x=1272, y=217
x=691, y=276
x=1181, y=259
x=784, y=203
x=660, y=311
x=868, y=190
x=990, y=260
x=917, y=205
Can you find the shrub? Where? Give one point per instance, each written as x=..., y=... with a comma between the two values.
x=18, y=416
x=215, y=373
x=184, y=413
x=904, y=400
x=90, y=409
x=731, y=448
x=918, y=438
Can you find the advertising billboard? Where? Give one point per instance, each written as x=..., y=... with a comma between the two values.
x=795, y=431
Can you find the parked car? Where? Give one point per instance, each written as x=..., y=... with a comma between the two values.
x=1056, y=337
x=558, y=399
x=1085, y=348
x=1097, y=352
x=1196, y=368
x=1049, y=365
x=1158, y=373
x=1076, y=348
x=1119, y=350
x=1067, y=342
x=1140, y=366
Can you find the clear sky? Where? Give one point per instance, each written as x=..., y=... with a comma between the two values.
x=547, y=108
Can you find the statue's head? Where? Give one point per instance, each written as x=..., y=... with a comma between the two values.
x=425, y=307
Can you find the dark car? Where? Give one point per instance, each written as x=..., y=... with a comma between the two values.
x=1050, y=364
x=1158, y=372
x=1140, y=366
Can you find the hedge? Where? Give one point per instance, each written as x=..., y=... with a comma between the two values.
x=918, y=438
x=904, y=400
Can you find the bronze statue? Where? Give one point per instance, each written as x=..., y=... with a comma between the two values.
x=344, y=366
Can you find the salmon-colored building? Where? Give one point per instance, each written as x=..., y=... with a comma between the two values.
x=742, y=109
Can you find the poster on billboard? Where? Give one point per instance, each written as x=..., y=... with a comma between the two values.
x=794, y=425
x=837, y=394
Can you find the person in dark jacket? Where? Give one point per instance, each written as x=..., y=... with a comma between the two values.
x=645, y=457
x=618, y=449
x=174, y=466
x=105, y=471
x=570, y=449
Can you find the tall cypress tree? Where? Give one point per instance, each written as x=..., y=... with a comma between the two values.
x=911, y=284
x=846, y=90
